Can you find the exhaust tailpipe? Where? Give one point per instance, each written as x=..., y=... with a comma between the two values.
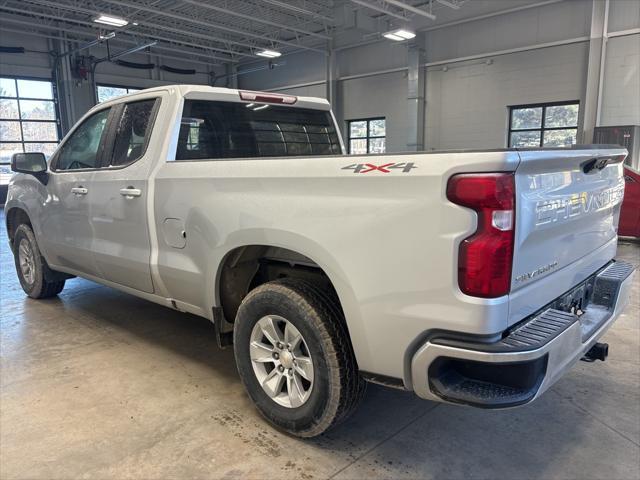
x=600, y=351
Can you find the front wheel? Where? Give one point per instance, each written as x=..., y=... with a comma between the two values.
x=31, y=266
x=294, y=357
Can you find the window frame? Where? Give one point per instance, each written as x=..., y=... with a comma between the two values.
x=107, y=142
x=368, y=136
x=53, y=166
x=105, y=163
x=112, y=85
x=174, y=157
x=56, y=110
x=543, y=128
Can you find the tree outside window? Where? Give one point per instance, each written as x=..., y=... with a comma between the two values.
x=107, y=92
x=367, y=136
x=28, y=120
x=543, y=125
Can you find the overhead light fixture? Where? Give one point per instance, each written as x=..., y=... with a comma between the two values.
x=399, y=35
x=111, y=20
x=268, y=54
x=107, y=36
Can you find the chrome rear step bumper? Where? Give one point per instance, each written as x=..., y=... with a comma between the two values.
x=530, y=357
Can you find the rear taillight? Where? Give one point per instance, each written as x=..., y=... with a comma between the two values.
x=485, y=258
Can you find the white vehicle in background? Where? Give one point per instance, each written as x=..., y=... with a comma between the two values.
x=472, y=277
x=5, y=176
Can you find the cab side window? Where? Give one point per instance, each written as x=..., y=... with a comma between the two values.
x=133, y=131
x=81, y=149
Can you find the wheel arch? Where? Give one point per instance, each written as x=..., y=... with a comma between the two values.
x=14, y=217
x=299, y=250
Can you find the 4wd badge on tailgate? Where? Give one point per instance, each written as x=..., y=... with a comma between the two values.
x=386, y=168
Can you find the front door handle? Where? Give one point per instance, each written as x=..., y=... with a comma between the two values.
x=130, y=192
x=79, y=191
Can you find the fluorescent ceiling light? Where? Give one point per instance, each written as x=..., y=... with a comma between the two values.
x=268, y=53
x=108, y=36
x=399, y=35
x=111, y=20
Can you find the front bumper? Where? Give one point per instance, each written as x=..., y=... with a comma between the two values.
x=529, y=358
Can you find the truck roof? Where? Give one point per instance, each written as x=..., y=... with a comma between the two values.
x=206, y=92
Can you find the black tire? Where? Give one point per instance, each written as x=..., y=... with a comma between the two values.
x=39, y=286
x=338, y=387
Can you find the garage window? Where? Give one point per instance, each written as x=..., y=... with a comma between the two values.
x=543, y=125
x=107, y=92
x=28, y=120
x=367, y=136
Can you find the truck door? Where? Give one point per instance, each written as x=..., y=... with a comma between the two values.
x=118, y=204
x=67, y=233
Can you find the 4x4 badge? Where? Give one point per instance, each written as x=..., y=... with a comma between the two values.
x=386, y=168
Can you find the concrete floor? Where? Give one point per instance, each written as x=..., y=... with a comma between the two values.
x=99, y=384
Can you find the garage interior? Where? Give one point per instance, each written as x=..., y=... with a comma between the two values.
x=98, y=384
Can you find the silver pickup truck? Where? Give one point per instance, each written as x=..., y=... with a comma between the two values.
x=469, y=277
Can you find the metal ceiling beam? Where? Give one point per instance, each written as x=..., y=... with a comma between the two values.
x=297, y=9
x=159, y=54
x=380, y=9
x=73, y=8
x=449, y=4
x=188, y=19
x=153, y=37
x=410, y=8
x=254, y=19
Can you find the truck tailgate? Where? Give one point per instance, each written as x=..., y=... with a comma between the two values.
x=567, y=206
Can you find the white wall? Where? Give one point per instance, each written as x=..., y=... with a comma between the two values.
x=357, y=103
x=29, y=64
x=621, y=86
x=467, y=105
x=293, y=69
x=535, y=26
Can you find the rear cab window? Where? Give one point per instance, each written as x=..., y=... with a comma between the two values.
x=218, y=130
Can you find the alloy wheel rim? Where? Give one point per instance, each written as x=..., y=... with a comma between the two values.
x=26, y=261
x=281, y=361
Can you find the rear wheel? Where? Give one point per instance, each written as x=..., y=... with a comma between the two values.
x=31, y=267
x=294, y=357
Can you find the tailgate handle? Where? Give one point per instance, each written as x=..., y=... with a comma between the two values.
x=597, y=164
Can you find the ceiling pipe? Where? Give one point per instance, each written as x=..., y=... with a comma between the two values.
x=48, y=16
x=129, y=51
x=377, y=8
x=216, y=26
x=162, y=54
x=449, y=4
x=297, y=9
x=254, y=18
x=63, y=6
x=93, y=43
x=410, y=8
x=110, y=58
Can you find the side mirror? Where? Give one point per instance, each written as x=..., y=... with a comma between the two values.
x=33, y=163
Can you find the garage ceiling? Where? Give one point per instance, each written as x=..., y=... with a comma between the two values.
x=226, y=31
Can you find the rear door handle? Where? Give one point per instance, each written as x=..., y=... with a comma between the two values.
x=79, y=191
x=130, y=192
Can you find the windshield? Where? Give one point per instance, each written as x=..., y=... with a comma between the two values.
x=211, y=130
